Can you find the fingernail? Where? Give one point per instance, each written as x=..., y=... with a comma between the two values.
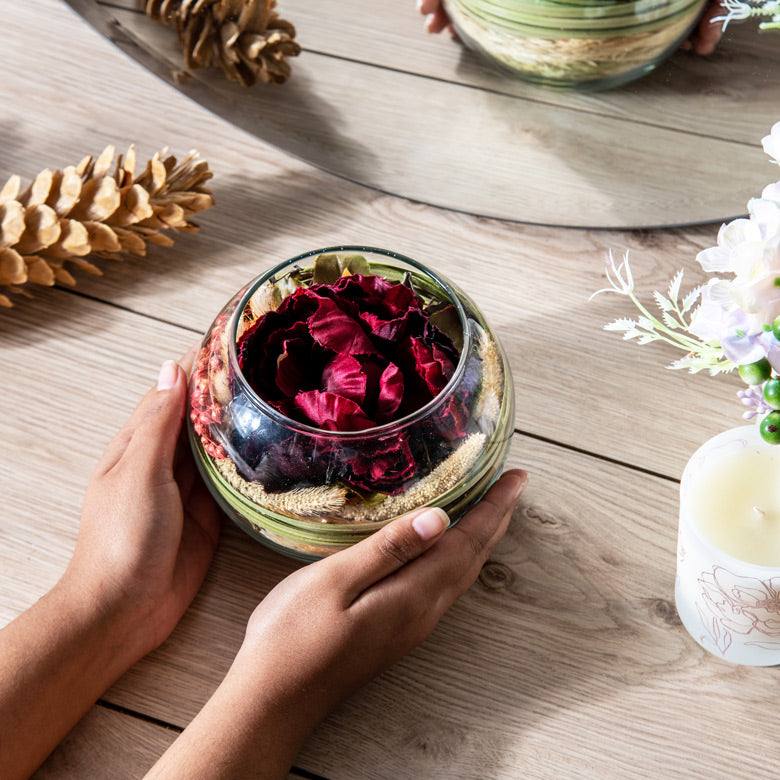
x=520, y=480
x=429, y=21
x=168, y=373
x=419, y=5
x=430, y=523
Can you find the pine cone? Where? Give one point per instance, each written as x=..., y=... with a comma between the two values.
x=246, y=38
x=64, y=216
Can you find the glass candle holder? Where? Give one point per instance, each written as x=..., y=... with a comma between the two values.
x=728, y=557
x=308, y=492
x=587, y=44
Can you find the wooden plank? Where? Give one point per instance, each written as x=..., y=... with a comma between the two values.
x=731, y=95
x=111, y=745
x=107, y=745
x=566, y=659
x=470, y=150
x=575, y=384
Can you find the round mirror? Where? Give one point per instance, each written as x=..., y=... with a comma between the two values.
x=376, y=100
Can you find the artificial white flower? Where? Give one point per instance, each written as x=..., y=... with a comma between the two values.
x=760, y=297
x=731, y=237
x=765, y=214
x=771, y=143
x=772, y=192
x=709, y=320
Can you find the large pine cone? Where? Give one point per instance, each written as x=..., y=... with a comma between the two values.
x=65, y=215
x=246, y=38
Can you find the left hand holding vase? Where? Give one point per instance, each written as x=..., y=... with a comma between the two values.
x=147, y=535
x=149, y=527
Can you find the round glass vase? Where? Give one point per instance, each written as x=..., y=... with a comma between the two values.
x=583, y=44
x=309, y=492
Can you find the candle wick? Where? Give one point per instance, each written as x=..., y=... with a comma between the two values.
x=758, y=513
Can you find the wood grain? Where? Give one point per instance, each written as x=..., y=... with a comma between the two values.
x=107, y=745
x=730, y=95
x=566, y=659
x=111, y=745
x=532, y=283
x=415, y=137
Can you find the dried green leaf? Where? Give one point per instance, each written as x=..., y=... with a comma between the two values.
x=326, y=269
x=446, y=319
x=355, y=264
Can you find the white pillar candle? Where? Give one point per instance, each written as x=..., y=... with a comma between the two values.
x=728, y=557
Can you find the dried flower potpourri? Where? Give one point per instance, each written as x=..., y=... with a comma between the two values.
x=342, y=389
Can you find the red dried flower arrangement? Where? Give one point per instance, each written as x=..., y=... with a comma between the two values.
x=347, y=356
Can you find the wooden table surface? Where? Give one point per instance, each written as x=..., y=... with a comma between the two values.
x=566, y=659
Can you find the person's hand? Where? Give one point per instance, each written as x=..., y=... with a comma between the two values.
x=148, y=531
x=436, y=18
x=703, y=40
x=331, y=627
x=705, y=37
x=148, y=527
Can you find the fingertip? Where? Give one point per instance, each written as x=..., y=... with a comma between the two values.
x=188, y=359
x=430, y=523
x=705, y=48
x=519, y=480
x=168, y=375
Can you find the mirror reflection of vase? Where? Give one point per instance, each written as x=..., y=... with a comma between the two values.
x=380, y=102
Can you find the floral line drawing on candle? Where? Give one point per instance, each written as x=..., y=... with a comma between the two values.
x=727, y=588
x=739, y=605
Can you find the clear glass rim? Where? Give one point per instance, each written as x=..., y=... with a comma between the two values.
x=378, y=430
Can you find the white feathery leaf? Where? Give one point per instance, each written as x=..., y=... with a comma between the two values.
x=674, y=286
x=645, y=323
x=646, y=338
x=670, y=321
x=683, y=362
x=631, y=334
x=663, y=303
x=690, y=299
x=622, y=324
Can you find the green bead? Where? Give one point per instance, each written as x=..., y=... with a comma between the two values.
x=776, y=328
x=772, y=393
x=756, y=373
x=770, y=428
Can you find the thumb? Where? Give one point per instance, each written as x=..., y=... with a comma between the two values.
x=156, y=422
x=388, y=549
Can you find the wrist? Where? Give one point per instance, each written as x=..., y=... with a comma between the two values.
x=252, y=726
x=274, y=695
x=92, y=608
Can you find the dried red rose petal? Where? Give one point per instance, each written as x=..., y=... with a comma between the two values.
x=431, y=364
x=345, y=376
x=383, y=466
x=332, y=412
x=334, y=329
x=391, y=392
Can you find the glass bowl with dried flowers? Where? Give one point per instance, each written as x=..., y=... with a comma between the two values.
x=341, y=389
